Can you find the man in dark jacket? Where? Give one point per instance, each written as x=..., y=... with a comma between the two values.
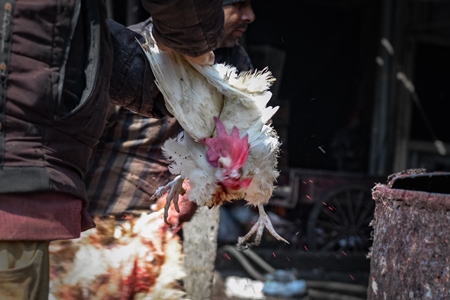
x=128, y=165
x=60, y=66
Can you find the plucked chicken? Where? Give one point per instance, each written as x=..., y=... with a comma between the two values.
x=139, y=258
x=228, y=150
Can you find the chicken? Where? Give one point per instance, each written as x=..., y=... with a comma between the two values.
x=138, y=258
x=228, y=149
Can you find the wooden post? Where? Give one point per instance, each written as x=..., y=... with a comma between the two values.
x=200, y=249
x=410, y=256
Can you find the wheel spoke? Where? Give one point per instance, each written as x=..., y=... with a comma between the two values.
x=330, y=225
x=359, y=202
x=330, y=244
x=366, y=216
x=326, y=212
x=348, y=199
x=340, y=210
x=341, y=221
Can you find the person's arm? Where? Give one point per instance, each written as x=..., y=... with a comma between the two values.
x=132, y=83
x=190, y=27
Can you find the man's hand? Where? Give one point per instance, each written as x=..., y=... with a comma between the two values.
x=202, y=60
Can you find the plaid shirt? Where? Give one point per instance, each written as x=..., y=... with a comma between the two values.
x=128, y=165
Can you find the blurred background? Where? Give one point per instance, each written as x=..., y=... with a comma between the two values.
x=362, y=86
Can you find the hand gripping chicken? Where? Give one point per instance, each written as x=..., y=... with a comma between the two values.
x=228, y=150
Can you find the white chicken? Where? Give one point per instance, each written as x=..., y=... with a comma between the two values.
x=228, y=150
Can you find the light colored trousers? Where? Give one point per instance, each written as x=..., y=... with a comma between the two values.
x=24, y=270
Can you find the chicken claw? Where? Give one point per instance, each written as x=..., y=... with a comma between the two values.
x=175, y=189
x=258, y=227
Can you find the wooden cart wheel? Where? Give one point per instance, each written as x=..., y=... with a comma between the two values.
x=340, y=221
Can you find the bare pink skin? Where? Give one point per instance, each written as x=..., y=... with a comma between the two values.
x=228, y=153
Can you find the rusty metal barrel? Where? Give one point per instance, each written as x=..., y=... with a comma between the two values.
x=410, y=255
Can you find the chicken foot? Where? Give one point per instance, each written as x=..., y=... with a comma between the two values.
x=263, y=222
x=174, y=189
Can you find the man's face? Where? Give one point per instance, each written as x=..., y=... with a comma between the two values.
x=237, y=18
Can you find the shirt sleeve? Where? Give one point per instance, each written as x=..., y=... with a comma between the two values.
x=190, y=27
x=132, y=82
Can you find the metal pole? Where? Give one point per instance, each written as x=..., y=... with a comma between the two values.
x=132, y=16
x=379, y=137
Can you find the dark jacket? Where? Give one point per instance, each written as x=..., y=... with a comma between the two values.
x=57, y=61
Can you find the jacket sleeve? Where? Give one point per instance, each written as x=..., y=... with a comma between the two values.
x=132, y=83
x=190, y=27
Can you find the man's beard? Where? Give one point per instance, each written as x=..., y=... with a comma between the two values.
x=228, y=43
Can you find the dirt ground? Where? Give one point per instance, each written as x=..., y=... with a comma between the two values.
x=316, y=290
x=328, y=277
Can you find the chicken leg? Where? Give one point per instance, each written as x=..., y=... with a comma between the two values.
x=175, y=189
x=263, y=222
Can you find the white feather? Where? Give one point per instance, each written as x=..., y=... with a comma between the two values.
x=195, y=95
x=175, y=78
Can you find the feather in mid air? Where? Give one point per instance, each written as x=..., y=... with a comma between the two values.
x=228, y=150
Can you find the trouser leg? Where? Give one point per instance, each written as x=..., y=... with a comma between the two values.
x=24, y=270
